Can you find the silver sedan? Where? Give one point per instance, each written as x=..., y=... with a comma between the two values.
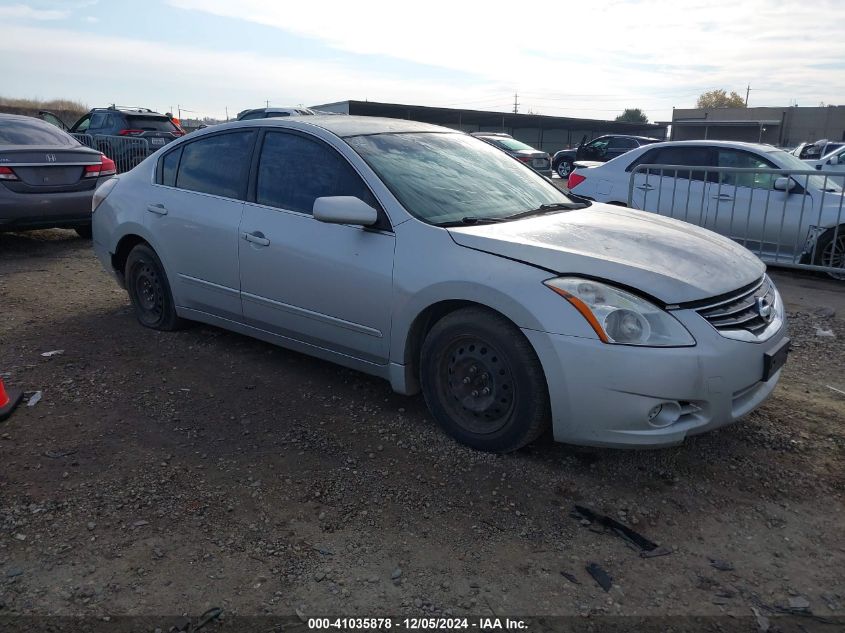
x=433, y=260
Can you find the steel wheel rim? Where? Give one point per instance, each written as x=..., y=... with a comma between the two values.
x=149, y=292
x=833, y=256
x=477, y=385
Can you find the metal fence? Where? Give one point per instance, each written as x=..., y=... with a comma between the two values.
x=789, y=218
x=125, y=151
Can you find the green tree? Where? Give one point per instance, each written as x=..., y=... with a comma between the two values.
x=632, y=115
x=720, y=99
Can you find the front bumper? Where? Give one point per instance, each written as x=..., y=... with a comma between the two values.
x=602, y=395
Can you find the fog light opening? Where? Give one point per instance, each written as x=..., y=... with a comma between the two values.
x=664, y=414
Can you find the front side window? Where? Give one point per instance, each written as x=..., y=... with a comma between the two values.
x=82, y=126
x=745, y=160
x=446, y=177
x=216, y=164
x=293, y=171
x=98, y=120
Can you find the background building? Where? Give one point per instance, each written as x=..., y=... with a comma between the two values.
x=547, y=133
x=784, y=127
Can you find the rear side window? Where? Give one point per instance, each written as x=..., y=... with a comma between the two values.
x=744, y=160
x=169, y=166
x=293, y=171
x=276, y=115
x=217, y=165
x=27, y=131
x=150, y=123
x=691, y=156
x=623, y=143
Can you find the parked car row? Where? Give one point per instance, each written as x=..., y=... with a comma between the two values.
x=430, y=258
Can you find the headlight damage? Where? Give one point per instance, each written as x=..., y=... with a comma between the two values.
x=620, y=317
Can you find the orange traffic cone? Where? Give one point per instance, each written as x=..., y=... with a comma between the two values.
x=8, y=400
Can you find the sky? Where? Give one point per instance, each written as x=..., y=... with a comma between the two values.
x=584, y=59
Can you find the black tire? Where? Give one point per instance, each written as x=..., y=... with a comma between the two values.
x=564, y=167
x=149, y=290
x=83, y=231
x=474, y=349
x=830, y=254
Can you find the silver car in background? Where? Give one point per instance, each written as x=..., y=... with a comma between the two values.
x=431, y=259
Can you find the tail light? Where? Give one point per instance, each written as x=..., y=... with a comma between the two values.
x=575, y=180
x=6, y=173
x=130, y=132
x=523, y=159
x=178, y=133
x=101, y=192
x=105, y=167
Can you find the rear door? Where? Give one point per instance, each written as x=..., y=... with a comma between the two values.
x=328, y=285
x=676, y=193
x=194, y=211
x=619, y=146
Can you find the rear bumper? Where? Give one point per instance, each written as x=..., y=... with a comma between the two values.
x=33, y=211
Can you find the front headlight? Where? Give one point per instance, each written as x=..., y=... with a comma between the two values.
x=620, y=317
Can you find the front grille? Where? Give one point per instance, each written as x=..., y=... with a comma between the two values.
x=742, y=311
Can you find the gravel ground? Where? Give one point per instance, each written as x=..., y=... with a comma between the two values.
x=166, y=473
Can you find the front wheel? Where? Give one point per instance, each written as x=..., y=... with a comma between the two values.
x=830, y=251
x=483, y=382
x=149, y=290
x=564, y=168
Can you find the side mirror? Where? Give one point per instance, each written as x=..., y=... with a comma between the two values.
x=833, y=160
x=784, y=184
x=344, y=210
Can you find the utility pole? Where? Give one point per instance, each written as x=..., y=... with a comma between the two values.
x=747, y=91
x=227, y=113
x=515, y=103
x=268, y=103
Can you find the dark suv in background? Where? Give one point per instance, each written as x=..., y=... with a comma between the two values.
x=601, y=150
x=154, y=128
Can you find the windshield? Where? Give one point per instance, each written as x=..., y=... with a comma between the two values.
x=442, y=177
x=785, y=160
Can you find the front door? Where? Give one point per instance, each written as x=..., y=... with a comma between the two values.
x=327, y=285
x=746, y=207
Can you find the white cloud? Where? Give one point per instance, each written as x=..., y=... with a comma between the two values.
x=620, y=53
x=22, y=11
x=152, y=74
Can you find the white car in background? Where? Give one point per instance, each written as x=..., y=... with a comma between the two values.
x=833, y=162
x=800, y=219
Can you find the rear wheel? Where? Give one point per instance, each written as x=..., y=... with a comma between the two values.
x=564, y=168
x=830, y=251
x=483, y=382
x=149, y=290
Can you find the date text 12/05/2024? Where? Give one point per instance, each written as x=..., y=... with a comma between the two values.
x=482, y=624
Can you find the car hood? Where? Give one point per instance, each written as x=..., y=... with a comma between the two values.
x=672, y=261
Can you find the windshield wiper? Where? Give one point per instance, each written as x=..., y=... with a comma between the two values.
x=548, y=208
x=470, y=220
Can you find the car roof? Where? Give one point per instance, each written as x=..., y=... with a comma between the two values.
x=758, y=147
x=641, y=138
x=342, y=126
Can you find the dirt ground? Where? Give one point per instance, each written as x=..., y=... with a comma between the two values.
x=167, y=473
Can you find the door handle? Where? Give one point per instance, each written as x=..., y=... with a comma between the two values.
x=158, y=209
x=256, y=237
x=645, y=187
